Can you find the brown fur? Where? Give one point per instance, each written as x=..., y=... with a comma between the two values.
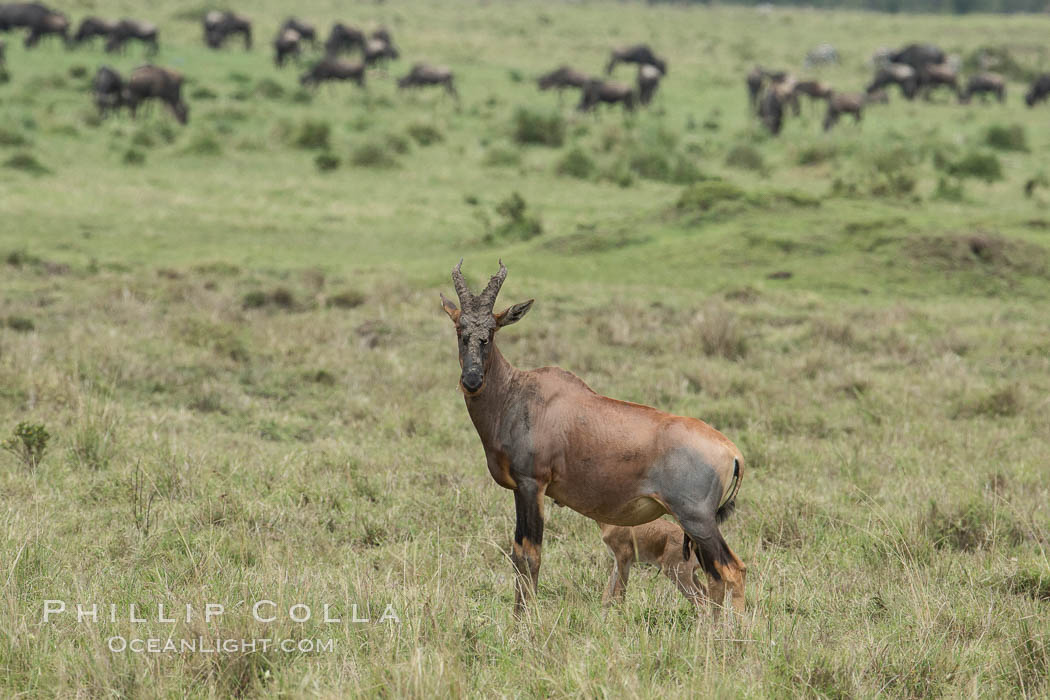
x=658, y=542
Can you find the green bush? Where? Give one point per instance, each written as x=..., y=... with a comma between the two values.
x=703, y=196
x=576, y=163
x=204, y=143
x=26, y=163
x=372, y=155
x=348, y=299
x=21, y=324
x=269, y=88
x=538, y=128
x=12, y=138
x=398, y=143
x=978, y=165
x=1006, y=138
x=502, y=157
x=204, y=93
x=312, y=135
x=816, y=154
x=425, y=134
x=517, y=223
x=745, y=157
x=28, y=443
x=326, y=161
x=133, y=156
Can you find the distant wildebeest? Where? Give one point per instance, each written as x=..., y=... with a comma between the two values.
x=822, y=55
x=563, y=77
x=814, y=89
x=658, y=542
x=128, y=29
x=344, y=38
x=756, y=80
x=774, y=99
x=286, y=44
x=546, y=433
x=306, y=31
x=934, y=75
x=840, y=103
x=378, y=49
x=153, y=82
x=899, y=74
x=91, y=27
x=984, y=84
x=424, y=74
x=334, y=68
x=220, y=26
x=648, y=81
x=108, y=90
x=638, y=53
x=918, y=55
x=39, y=19
x=610, y=92
x=1038, y=91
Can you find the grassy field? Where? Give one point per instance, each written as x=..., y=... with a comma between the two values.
x=250, y=388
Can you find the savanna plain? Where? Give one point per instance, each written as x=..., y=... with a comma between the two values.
x=231, y=333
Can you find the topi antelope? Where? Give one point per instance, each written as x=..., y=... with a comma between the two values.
x=545, y=432
x=661, y=543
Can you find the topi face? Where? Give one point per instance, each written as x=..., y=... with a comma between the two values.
x=476, y=326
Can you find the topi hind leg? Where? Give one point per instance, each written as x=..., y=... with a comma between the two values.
x=527, y=547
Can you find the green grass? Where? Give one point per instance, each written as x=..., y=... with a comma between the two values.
x=235, y=343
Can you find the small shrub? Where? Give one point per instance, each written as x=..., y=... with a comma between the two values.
x=538, y=128
x=28, y=443
x=1007, y=138
x=576, y=163
x=21, y=324
x=12, y=138
x=204, y=93
x=269, y=88
x=312, y=135
x=326, y=162
x=971, y=526
x=650, y=164
x=704, y=195
x=302, y=97
x=502, y=157
x=949, y=190
x=349, y=299
x=26, y=163
x=398, y=143
x=133, y=156
x=745, y=157
x=372, y=155
x=720, y=334
x=517, y=224
x=425, y=134
x=282, y=297
x=816, y=154
x=78, y=71
x=1001, y=403
x=254, y=299
x=980, y=166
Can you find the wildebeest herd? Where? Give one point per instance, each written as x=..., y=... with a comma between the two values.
x=349, y=51
x=112, y=91
x=916, y=69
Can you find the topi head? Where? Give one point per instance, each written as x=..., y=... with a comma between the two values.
x=476, y=324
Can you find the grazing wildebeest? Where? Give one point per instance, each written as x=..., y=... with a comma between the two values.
x=934, y=75
x=219, y=26
x=378, y=49
x=334, y=68
x=821, y=55
x=91, y=27
x=658, y=542
x=423, y=74
x=840, y=103
x=918, y=55
x=108, y=90
x=1038, y=91
x=39, y=19
x=154, y=82
x=771, y=111
x=545, y=432
x=286, y=44
x=128, y=29
x=904, y=76
x=982, y=84
x=608, y=91
x=344, y=37
x=306, y=30
x=638, y=53
x=648, y=81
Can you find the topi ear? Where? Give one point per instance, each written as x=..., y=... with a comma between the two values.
x=450, y=309
x=514, y=313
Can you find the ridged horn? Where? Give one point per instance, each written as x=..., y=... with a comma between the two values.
x=465, y=296
x=488, y=297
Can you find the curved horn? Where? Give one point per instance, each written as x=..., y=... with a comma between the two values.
x=488, y=297
x=462, y=289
